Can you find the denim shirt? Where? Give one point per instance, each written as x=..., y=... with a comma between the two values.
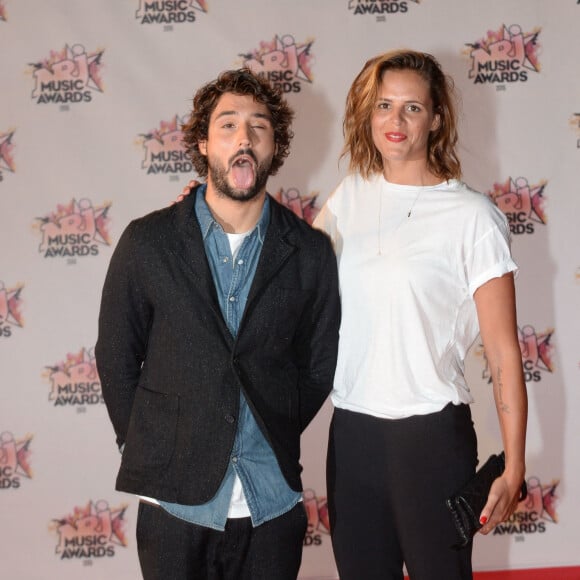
x=267, y=493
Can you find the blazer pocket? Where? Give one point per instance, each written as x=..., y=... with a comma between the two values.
x=290, y=303
x=152, y=430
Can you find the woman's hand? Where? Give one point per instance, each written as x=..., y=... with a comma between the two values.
x=186, y=191
x=502, y=502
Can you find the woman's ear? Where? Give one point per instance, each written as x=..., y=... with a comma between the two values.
x=436, y=123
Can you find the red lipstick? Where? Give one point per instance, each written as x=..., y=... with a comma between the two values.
x=395, y=137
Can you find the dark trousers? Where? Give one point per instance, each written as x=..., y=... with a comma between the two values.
x=387, y=484
x=172, y=549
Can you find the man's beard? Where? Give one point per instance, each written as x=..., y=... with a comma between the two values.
x=218, y=174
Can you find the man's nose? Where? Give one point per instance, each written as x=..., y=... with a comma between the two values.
x=244, y=136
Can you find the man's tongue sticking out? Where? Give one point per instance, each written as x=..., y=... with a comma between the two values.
x=243, y=174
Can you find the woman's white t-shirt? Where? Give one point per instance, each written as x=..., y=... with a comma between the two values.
x=409, y=259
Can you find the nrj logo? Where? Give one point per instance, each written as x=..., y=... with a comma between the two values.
x=75, y=381
x=522, y=203
x=74, y=230
x=94, y=531
x=317, y=513
x=537, y=354
x=534, y=512
x=164, y=150
x=10, y=306
x=6, y=153
x=505, y=56
x=68, y=76
x=304, y=206
x=379, y=6
x=14, y=460
x=283, y=61
x=169, y=11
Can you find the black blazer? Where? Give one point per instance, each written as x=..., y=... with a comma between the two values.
x=171, y=372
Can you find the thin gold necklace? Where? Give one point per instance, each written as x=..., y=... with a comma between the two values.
x=409, y=213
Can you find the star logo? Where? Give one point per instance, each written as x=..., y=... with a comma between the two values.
x=282, y=55
x=304, y=206
x=164, y=145
x=537, y=353
x=537, y=350
x=72, y=68
x=542, y=499
x=506, y=44
x=6, y=152
x=317, y=512
x=198, y=5
x=10, y=304
x=517, y=196
x=77, y=368
x=76, y=219
x=15, y=455
x=95, y=521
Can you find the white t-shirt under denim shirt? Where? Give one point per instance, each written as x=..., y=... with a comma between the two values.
x=407, y=285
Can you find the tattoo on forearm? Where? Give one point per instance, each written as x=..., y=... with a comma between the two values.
x=502, y=405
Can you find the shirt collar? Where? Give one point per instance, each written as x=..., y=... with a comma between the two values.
x=206, y=219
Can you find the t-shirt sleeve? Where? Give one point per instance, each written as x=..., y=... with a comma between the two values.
x=488, y=253
x=326, y=221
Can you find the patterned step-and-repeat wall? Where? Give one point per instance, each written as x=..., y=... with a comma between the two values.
x=93, y=94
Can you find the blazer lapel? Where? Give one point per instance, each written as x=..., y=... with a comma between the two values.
x=276, y=250
x=190, y=248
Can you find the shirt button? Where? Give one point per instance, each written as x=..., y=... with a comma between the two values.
x=240, y=262
x=225, y=259
x=232, y=298
x=234, y=459
x=230, y=418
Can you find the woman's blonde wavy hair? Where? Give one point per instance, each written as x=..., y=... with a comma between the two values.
x=365, y=159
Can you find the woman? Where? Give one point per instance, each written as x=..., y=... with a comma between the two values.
x=424, y=266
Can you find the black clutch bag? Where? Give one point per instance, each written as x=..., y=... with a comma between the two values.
x=466, y=505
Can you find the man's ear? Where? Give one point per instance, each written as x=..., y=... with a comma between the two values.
x=202, y=145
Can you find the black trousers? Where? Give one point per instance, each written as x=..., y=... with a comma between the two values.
x=172, y=549
x=387, y=484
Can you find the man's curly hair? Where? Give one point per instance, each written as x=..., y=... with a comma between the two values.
x=239, y=82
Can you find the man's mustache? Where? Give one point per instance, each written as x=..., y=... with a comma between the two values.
x=246, y=152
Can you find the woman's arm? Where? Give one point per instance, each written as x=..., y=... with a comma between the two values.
x=496, y=311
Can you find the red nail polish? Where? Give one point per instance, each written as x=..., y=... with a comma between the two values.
x=483, y=520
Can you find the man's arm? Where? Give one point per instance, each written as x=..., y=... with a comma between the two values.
x=317, y=340
x=124, y=321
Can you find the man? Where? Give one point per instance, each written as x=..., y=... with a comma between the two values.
x=217, y=345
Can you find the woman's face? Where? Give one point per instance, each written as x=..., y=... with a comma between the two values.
x=403, y=117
